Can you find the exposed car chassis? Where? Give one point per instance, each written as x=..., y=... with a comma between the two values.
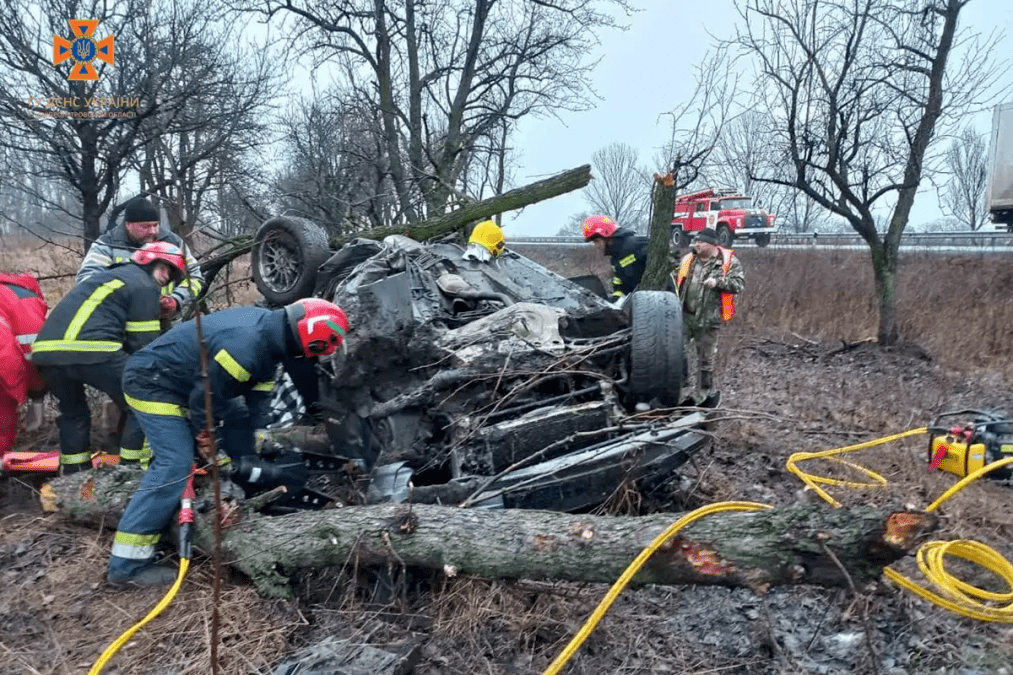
x=496, y=384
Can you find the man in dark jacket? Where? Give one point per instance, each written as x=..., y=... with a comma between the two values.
x=87, y=338
x=626, y=250
x=164, y=387
x=140, y=226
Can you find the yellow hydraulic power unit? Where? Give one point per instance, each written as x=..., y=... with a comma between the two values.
x=964, y=448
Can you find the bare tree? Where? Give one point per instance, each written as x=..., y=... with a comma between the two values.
x=742, y=152
x=222, y=127
x=84, y=133
x=739, y=154
x=572, y=226
x=334, y=167
x=944, y=224
x=798, y=213
x=620, y=188
x=697, y=125
x=448, y=77
x=857, y=89
x=963, y=196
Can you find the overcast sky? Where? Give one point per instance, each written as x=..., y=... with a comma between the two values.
x=645, y=72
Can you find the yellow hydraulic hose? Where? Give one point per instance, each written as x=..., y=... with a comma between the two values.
x=964, y=599
x=111, y=650
x=831, y=455
x=960, y=597
x=634, y=567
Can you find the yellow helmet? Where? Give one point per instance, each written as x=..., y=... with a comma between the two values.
x=488, y=235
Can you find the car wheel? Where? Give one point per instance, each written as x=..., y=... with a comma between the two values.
x=762, y=240
x=680, y=238
x=286, y=255
x=656, y=349
x=725, y=237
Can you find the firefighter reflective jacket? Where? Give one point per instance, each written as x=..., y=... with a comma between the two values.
x=629, y=259
x=244, y=347
x=115, y=247
x=697, y=300
x=22, y=313
x=117, y=309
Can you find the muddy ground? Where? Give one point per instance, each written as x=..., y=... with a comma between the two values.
x=782, y=394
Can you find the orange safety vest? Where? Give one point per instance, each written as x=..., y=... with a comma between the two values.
x=727, y=299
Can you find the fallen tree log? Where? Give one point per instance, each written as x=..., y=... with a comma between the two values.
x=438, y=226
x=799, y=544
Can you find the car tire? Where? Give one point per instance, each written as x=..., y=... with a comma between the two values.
x=762, y=240
x=725, y=237
x=286, y=254
x=656, y=348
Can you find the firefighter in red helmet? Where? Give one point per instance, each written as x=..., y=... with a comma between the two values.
x=89, y=335
x=626, y=250
x=163, y=386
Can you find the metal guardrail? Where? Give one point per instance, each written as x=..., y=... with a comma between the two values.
x=908, y=239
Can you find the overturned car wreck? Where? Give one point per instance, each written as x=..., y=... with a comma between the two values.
x=491, y=384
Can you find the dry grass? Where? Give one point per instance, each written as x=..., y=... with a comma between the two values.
x=957, y=307
x=64, y=615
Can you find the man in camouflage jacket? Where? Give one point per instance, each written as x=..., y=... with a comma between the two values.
x=707, y=280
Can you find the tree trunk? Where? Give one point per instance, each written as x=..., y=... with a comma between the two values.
x=659, y=262
x=884, y=265
x=800, y=544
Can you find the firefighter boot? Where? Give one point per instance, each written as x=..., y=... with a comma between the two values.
x=71, y=464
x=149, y=575
x=712, y=399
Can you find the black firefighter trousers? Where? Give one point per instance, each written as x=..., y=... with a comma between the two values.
x=67, y=383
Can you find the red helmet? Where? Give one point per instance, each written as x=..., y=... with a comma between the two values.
x=600, y=226
x=320, y=326
x=162, y=251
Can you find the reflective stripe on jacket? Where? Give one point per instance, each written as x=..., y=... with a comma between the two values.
x=117, y=309
x=244, y=347
x=628, y=253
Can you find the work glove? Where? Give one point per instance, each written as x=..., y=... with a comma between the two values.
x=206, y=445
x=167, y=306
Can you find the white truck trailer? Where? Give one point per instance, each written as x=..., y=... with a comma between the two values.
x=1000, y=183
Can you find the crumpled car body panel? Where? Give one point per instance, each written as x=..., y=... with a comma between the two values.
x=498, y=384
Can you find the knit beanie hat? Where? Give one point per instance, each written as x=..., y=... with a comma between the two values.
x=140, y=210
x=707, y=235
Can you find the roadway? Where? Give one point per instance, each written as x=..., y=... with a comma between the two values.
x=929, y=242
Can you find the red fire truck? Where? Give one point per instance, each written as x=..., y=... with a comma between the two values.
x=726, y=211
